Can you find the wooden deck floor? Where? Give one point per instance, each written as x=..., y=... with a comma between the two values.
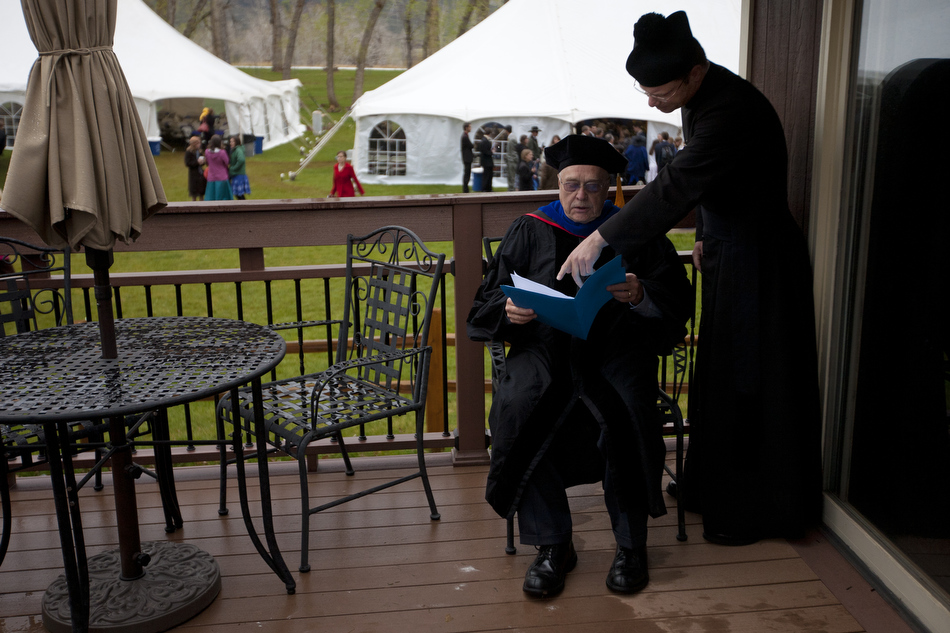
x=380, y=564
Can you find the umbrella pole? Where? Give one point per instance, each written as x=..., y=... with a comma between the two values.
x=123, y=485
x=100, y=262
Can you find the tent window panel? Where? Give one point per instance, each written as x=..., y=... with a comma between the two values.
x=10, y=117
x=387, y=150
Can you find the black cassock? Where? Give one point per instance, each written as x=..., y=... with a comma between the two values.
x=753, y=466
x=609, y=381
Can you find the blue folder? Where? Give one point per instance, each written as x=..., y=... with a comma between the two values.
x=573, y=315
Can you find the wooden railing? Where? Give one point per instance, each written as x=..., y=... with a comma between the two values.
x=253, y=226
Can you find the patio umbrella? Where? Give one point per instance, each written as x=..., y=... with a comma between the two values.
x=81, y=171
x=82, y=174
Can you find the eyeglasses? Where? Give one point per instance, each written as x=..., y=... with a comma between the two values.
x=592, y=186
x=655, y=97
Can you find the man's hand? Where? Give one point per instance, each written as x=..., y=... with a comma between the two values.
x=518, y=316
x=580, y=263
x=630, y=291
x=698, y=255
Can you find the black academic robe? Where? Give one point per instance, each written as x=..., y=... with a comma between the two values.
x=612, y=375
x=753, y=465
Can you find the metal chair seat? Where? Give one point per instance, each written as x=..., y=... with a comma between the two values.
x=342, y=401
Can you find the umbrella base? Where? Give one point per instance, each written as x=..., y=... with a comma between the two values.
x=179, y=582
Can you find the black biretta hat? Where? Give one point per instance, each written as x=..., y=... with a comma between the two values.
x=663, y=49
x=576, y=149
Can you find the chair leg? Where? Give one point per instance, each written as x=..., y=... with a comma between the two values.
x=165, y=473
x=223, y=450
x=420, y=453
x=345, y=453
x=680, y=484
x=510, y=546
x=5, y=507
x=305, y=509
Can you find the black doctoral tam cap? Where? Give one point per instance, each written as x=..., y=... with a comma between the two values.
x=576, y=149
x=664, y=49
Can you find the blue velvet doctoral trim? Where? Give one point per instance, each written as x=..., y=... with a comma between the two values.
x=555, y=213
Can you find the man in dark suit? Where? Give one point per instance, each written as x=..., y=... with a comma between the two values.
x=467, y=156
x=486, y=148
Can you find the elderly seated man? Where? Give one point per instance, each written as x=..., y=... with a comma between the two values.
x=572, y=411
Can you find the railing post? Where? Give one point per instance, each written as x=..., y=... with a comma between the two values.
x=435, y=404
x=469, y=355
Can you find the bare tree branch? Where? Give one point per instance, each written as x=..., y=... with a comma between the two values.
x=197, y=17
x=364, y=48
x=331, y=91
x=292, y=38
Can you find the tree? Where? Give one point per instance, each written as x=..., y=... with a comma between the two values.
x=219, y=35
x=432, y=28
x=331, y=91
x=166, y=9
x=407, y=23
x=364, y=47
x=292, y=38
x=480, y=9
x=275, y=56
x=197, y=16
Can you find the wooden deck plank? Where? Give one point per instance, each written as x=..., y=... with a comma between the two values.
x=380, y=563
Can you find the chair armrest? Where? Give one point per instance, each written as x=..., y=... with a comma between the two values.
x=297, y=325
x=342, y=367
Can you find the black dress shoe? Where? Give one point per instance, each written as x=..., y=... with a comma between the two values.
x=629, y=573
x=734, y=540
x=546, y=575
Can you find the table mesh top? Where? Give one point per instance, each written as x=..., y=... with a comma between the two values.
x=162, y=361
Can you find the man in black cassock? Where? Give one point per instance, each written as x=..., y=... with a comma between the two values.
x=571, y=411
x=753, y=466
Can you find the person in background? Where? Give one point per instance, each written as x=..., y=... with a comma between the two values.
x=219, y=181
x=637, y=161
x=467, y=156
x=195, y=162
x=547, y=175
x=753, y=468
x=486, y=149
x=664, y=151
x=569, y=410
x=344, y=176
x=526, y=171
x=206, y=126
x=3, y=137
x=240, y=185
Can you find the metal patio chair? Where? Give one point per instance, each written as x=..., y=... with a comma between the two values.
x=381, y=370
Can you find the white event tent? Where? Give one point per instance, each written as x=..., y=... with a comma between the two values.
x=549, y=63
x=165, y=68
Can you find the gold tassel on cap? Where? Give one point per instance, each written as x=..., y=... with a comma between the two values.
x=619, y=201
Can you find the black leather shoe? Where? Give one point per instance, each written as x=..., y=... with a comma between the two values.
x=629, y=573
x=546, y=575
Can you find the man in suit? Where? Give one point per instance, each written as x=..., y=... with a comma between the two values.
x=467, y=156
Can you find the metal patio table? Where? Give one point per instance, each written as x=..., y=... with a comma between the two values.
x=57, y=375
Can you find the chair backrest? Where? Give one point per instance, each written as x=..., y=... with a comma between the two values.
x=22, y=304
x=392, y=281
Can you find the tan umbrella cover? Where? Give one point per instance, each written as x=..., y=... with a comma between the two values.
x=81, y=170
